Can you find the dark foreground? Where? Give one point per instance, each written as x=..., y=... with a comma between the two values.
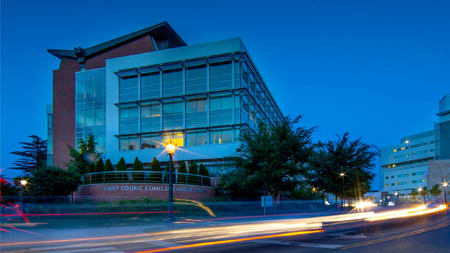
x=425, y=233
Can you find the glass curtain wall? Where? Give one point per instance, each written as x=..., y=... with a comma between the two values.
x=90, y=103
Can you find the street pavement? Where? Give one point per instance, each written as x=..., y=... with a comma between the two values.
x=427, y=233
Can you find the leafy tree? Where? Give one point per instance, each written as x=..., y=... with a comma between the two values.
x=271, y=160
x=156, y=175
x=121, y=165
x=235, y=185
x=203, y=171
x=306, y=193
x=84, y=157
x=32, y=157
x=193, y=170
x=435, y=190
x=109, y=167
x=183, y=169
x=53, y=181
x=343, y=167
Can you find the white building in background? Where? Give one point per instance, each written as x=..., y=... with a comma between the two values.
x=404, y=166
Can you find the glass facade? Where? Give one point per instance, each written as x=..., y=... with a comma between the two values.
x=90, y=103
x=202, y=102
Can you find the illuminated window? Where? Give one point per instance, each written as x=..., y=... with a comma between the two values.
x=175, y=138
x=387, y=184
x=389, y=166
x=129, y=144
x=393, y=165
x=423, y=180
x=220, y=136
x=395, y=150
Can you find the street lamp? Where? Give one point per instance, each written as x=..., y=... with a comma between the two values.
x=342, y=174
x=170, y=151
x=23, y=182
x=445, y=193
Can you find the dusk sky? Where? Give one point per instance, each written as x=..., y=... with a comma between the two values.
x=374, y=68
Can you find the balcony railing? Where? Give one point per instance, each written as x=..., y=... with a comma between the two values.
x=147, y=177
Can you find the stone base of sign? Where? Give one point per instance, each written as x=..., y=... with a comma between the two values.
x=127, y=191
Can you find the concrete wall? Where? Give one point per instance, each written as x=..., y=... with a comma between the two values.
x=438, y=173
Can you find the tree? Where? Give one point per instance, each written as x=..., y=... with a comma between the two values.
x=181, y=179
x=84, y=157
x=99, y=167
x=193, y=170
x=139, y=168
x=343, y=167
x=109, y=167
x=53, y=181
x=272, y=160
x=121, y=165
x=203, y=171
x=33, y=156
x=435, y=190
x=156, y=175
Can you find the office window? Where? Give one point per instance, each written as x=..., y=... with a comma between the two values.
x=99, y=87
x=196, y=138
x=220, y=112
x=220, y=136
x=89, y=88
x=387, y=184
x=99, y=116
x=128, y=88
x=172, y=82
x=150, y=141
x=431, y=150
x=395, y=157
x=237, y=74
x=79, y=89
x=150, y=85
x=175, y=138
x=392, y=177
x=196, y=115
x=387, y=177
x=128, y=120
x=392, y=184
x=150, y=117
x=220, y=76
x=173, y=115
x=129, y=144
x=423, y=180
x=196, y=79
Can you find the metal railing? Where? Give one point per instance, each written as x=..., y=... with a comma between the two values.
x=155, y=177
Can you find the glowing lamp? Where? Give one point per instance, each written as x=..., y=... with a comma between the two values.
x=171, y=148
x=420, y=189
x=445, y=184
x=23, y=182
x=342, y=174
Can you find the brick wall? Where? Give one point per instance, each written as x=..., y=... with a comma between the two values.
x=64, y=94
x=118, y=191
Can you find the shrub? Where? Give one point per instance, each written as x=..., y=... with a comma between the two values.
x=99, y=167
x=138, y=167
x=121, y=165
x=203, y=171
x=193, y=170
x=109, y=167
x=156, y=167
x=181, y=179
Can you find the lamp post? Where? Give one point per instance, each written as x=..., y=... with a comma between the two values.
x=342, y=174
x=445, y=193
x=170, y=151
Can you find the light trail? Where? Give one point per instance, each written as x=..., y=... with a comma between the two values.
x=231, y=241
x=77, y=214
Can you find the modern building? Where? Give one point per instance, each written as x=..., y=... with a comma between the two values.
x=404, y=166
x=407, y=165
x=140, y=91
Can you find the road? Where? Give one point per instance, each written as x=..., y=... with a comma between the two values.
x=349, y=233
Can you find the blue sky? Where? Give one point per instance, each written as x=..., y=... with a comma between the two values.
x=374, y=68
